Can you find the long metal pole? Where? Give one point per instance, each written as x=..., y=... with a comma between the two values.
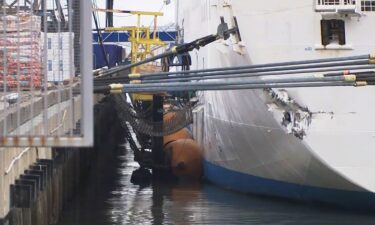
x=351, y=58
x=238, y=87
x=127, y=67
x=243, y=82
x=218, y=85
x=246, y=75
x=268, y=69
x=86, y=71
x=101, y=43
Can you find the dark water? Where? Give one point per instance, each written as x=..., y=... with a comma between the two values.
x=109, y=198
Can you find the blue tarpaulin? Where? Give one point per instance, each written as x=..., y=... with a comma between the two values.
x=114, y=55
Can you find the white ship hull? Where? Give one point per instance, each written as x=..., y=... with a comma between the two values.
x=329, y=156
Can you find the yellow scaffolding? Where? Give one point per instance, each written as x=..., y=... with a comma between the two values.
x=140, y=39
x=140, y=36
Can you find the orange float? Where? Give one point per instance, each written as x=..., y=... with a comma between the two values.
x=169, y=116
x=181, y=134
x=186, y=158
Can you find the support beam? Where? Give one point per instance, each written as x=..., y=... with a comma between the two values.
x=77, y=33
x=157, y=142
x=109, y=14
x=61, y=12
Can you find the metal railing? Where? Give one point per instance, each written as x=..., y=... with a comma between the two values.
x=367, y=6
x=40, y=67
x=338, y=6
x=336, y=2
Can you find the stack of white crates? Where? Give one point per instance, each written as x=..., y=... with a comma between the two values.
x=59, y=50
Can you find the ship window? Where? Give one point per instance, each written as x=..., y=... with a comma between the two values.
x=329, y=2
x=368, y=6
x=49, y=65
x=333, y=32
x=336, y=2
x=49, y=42
x=61, y=65
x=60, y=43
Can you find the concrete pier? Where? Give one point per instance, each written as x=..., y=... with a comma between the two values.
x=36, y=183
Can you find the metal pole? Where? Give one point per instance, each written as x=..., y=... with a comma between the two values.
x=184, y=79
x=101, y=43
x=86, y=71
x=267, y=69
x=244, y=82
x=239, y=87
x=157, y=142
x=108, y=81
x=302, y=62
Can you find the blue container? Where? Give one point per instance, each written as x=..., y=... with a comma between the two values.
x=114, y=55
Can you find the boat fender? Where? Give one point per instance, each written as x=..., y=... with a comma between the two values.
x=185, y=158
x=184, y=133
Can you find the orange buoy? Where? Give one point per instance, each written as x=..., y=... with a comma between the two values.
x=181, y=134
x=186, y=158
x=169, y=116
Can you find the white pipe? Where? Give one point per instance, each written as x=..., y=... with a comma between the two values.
x=10, y=167
x=61, y=123
x=15, y=159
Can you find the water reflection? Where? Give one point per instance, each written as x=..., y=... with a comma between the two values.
x=110, y=198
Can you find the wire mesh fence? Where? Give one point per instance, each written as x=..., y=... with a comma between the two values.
x=45, y=86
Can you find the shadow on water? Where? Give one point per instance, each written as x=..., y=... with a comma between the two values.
x=108, y=197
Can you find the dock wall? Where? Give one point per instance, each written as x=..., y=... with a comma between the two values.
x=36, y=183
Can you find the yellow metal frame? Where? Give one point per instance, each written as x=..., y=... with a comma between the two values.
x=144, y=13
x=140, y=39
x=143, y=97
